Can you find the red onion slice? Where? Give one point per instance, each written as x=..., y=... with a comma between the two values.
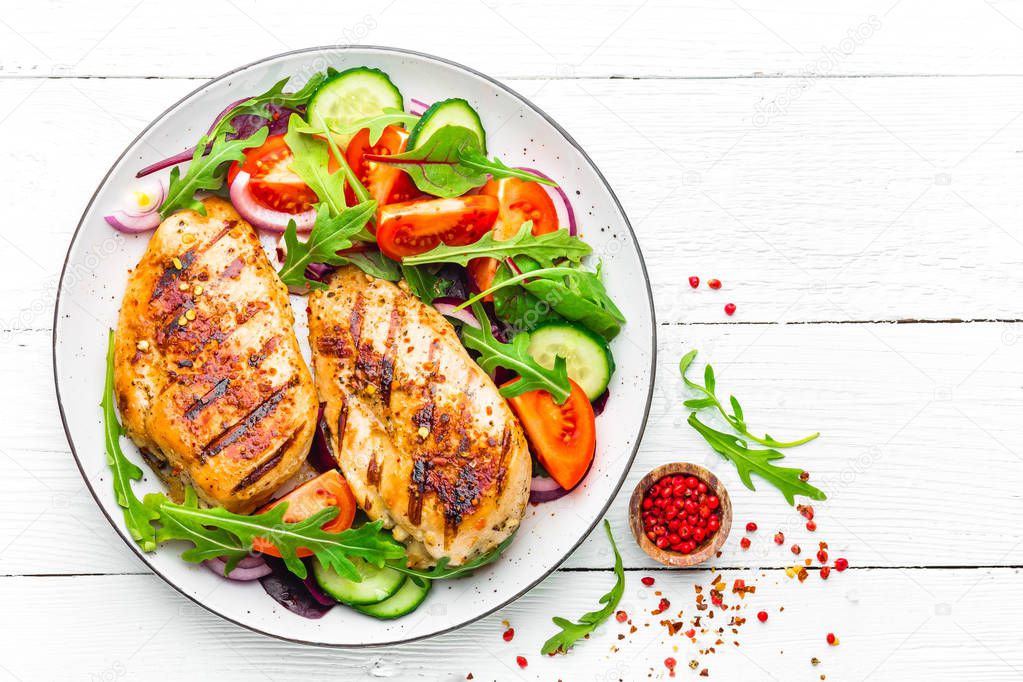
x=290, y=591
x=570, y=212
x=418, y=107
x=543, y=489
x=320, y=456
x=262, y=217
x=249, y=568
x=129, y=224
x=446, y=306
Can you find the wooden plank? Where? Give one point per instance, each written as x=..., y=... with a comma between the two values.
x=905, y=411
x=865, y=199
x=574, y=38
x=891, y=625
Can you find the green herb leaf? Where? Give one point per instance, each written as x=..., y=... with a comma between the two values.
x=372, y=263
x=424, y=284
x=746, y=461
x=516, y=307
x=329, y=235
x=360, y=191
x=311, y=159
x=257, y=106
x=442, y=571
x=572, y=632
x=215, y=530
x=438, y=165
x=376, y=124
x=515, y=357
x=137, y=516
x=206, y=172
x=736, y=419
x=544, y=248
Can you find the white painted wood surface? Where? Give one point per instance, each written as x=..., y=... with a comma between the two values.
x=836, y=188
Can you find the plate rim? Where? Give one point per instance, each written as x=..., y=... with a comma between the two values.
x=571, y=141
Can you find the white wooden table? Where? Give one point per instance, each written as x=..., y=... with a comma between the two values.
x=852, y=175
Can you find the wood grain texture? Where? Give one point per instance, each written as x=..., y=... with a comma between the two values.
x=890, y=623
x=574, y=38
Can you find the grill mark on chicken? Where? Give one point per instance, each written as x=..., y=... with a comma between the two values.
x=387, y=361
x=355, y=320
x=233, y=269
x=228, y=226
x=420, y=472
x=218, y=390
x=373, y=471
x=171, y=274
x=502, y=467
x=342, y=420
x=256, y=359
x=244, y=425
x=266, y=466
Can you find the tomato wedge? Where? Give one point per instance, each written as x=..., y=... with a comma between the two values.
x=326, y=490
x=520, y=200
x=414, y=227
x=386, y=184
x=563, y=437
x=273, y=184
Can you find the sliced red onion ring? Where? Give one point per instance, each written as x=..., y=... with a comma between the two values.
x=129, y=224
x=315, y=592
x=290, y=591
x=249, y=568
x=601, y=402
x=419, y=107
x=446, y=306
x=262, y=217
x=570, y=212
x=544, y=489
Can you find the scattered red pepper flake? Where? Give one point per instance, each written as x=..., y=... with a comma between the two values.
x=508, y=635
x=663, y=605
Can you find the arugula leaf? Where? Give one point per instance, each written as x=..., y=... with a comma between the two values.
x=329, y=235
x=257, y=105
x=571, y=632
x=746, y=461
x=206, y=172
x=450, y=162
x=376, y=124
x=215, y=530
x=736, y=419
x=516, y=307
x=360, y=191
x=515, y=356
x=573, y=293
x=137, y=516
x=544, y=248
x=311, y=159
x=442, y=572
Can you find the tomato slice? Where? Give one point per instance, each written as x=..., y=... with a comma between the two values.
x=563, y=437
x=386, y=184
x=520, y=200
x=273, y=184
x=414, y=227
x=326, y=490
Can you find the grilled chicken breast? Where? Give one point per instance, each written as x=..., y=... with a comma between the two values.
x=209, y=378
x=419, y=430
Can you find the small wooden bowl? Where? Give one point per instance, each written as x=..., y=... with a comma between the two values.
x=710, y=547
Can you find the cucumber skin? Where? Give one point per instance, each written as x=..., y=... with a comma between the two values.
x=429, y=113
x=334, y=75
x=319, y=571
x=373, y=609
x=590, y=334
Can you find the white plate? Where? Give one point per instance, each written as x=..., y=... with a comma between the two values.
x=93, y=282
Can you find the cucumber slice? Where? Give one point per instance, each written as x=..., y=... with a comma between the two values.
x=405, y=601
x=587, y=357
x=450, y=112
x=352, y=96
x=378, y=584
